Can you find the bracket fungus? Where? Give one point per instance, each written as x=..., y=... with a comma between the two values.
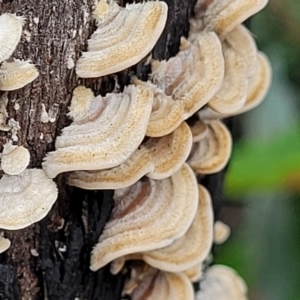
x=4, y=244
x=10, y=34
x=15, y=75
x=186, y=252
x=14, y=159
x=211, y=153
x=157, y=158
x=223, y=16
x=25, y=198
x=149, y=215
x=109, y=134
x=222, y=283
x=129, y=36
x=221, y=232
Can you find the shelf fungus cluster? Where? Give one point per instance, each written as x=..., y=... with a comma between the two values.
x=150, y=142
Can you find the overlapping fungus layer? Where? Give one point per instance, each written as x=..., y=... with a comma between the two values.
x=144, y=144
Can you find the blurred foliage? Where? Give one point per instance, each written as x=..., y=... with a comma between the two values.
x=264, y=172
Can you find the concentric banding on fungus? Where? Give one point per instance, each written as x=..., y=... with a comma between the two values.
x=147, y=221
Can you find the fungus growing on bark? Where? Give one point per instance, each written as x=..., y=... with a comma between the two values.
x=223, y=16
x=3, y=113
x=10, y=34
x=25, y=198
x=222, y=282
x=233, y=92
x=15, y=75
x=221, y=232
x=258, y=87
x=211, y=154
x=157, y=158
x=109, y=134
x=125, y=40
x=14, y=159
x=143, y=218
x=194, y=273
x=4, y=244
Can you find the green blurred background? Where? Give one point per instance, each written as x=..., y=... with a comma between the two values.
x=263, y=180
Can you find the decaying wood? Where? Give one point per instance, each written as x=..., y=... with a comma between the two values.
x=50, y=260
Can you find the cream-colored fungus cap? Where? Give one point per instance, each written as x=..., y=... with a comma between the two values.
x=14, y=159
x=233, y=92
x=199, y=130
x=107, y=137
x=192, y=82
x=10, y=34
x=222, y=283
x=4, y=244
x=221, y=232
x=162, y=285
x=223, y=16
x=148, y=215
x=193, y=247
x=25, y=198
x=258, y=87
x=211, y=154
x=15, y=75
x=157, y=158
x=139, y=26
x=194, y=273
x=242, y=41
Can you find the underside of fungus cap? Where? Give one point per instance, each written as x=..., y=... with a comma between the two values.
x=10, y=34
x=138, y=32
x=15, y=75
x=107, y=137
x=222, y=283
x=4, y=244
x=149, y=215
x=212, y=153
x=25, y=198
x=192, y=248
x=14, y=159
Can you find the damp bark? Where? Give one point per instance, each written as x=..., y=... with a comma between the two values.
x=50, y=260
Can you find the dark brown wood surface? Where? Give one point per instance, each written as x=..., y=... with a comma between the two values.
x=56, y=31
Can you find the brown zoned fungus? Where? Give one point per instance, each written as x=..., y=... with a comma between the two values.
x=188, y=251
x=124, y=36
x=104, y=136
x=14, y=159
x=149, y=215
x=222, y=283
x=4, y=244
x=25, y=198
x=157, y=158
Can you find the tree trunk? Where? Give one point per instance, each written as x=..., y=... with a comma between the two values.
x=50, y=260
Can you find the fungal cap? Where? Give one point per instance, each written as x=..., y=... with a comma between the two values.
x=25, y=198
x=15, y=75
x=222, y=282
x=212, y=153
x=15, y=159
x=4, y=244
x=143, y=218
x=10, y=34
x=199, y=130
x=80, y=103
x=104, y=140
x=125, y=53
x=193, y=247
x=221, y=232
x=194, y=273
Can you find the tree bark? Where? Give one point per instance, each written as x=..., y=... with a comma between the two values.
x=50, y=259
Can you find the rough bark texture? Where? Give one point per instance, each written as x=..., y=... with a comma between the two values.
x=50, y=260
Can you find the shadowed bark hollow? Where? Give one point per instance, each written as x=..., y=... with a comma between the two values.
x=50, y=259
